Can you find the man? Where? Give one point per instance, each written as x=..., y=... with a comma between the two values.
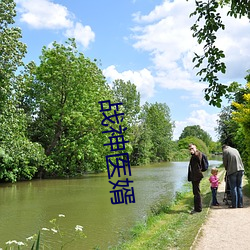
x=195, y=175
x=235, y=169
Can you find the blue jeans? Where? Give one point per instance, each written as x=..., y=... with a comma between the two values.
x=235, y=182
x=214, y=196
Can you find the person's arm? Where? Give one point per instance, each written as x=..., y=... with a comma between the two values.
x=224, y=159
x=210, y=180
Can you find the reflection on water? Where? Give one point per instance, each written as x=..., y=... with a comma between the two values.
x=26, y=207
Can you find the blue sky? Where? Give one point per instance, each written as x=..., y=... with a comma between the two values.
x=148, y=42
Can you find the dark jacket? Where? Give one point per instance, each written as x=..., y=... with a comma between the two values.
x=194, y=168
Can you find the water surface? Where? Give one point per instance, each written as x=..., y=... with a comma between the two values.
x=26, y=207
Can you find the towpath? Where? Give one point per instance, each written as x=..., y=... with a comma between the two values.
x=225, y=228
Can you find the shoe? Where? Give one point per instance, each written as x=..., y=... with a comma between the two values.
x=217, y=204
x=194, y=212
x=231, y=207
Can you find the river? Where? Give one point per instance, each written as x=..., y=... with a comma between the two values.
x=27, y=207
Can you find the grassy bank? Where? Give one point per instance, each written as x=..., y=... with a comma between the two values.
x=170, y=227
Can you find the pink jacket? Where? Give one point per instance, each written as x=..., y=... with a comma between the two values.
x=214, y=181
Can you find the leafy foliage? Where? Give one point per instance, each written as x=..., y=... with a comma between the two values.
x=157, y=122
x=196, y=131
x=233, y=123
x=183, y=144
x=64, y=91
x=126, y=93
x=12, y=50
x=20, y=157
x=142, y=145
x=211, y=63
x=241, y=115
x=227, y=128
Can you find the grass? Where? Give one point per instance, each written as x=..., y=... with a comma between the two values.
x=169, y=226
x=246, y=188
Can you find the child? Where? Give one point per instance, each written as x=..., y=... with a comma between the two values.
x=214, y=185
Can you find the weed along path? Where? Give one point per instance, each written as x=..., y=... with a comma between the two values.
x=225, y=228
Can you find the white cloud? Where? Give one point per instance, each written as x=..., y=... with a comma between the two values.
x=83, y=34
x=179, y=126
x=198, y=117
x=168, y=38
x=44, y=14
x=234, y=41
x=143, y=80
x=165, y=33
x=159, y=12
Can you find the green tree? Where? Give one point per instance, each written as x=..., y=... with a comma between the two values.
x=233, y=123
x=20, y=158
x=183, y=144
x=242, y=117
x=196, y=131
x=141, y=145
x=12, y=50
x=126, y=93
x=64, y=91
x=230, y=130
x=227, y=127
x=215, y=148
x=158, y=126
x=207, y=25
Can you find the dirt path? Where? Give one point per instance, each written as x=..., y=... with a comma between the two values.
x=225, y=228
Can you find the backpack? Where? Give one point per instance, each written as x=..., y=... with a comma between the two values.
x=204, y=163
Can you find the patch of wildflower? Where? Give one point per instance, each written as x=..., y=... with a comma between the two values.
x=30, y=238
x=42, y=240
x=78, y=228
x=54, y=230
x=18, y=243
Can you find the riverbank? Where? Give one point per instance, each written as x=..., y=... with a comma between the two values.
x=170, y=227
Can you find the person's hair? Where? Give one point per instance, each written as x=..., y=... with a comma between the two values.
x=214, y=170
x=224, y=146
x=191, y=144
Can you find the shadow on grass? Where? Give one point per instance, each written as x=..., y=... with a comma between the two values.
x=183, y=203
x=246, y=190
